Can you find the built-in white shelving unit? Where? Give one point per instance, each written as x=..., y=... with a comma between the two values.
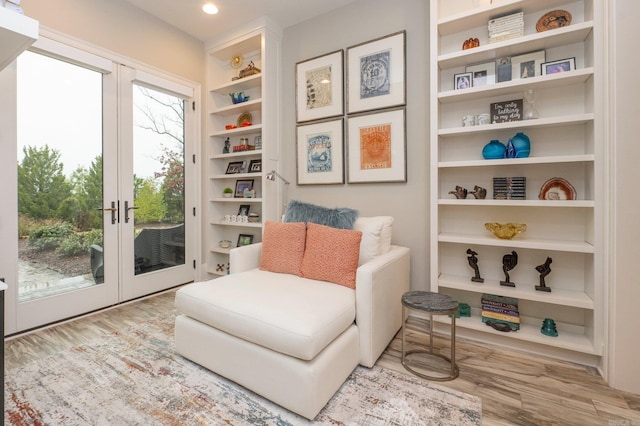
x=261, y=47
x=17, y=33
x=566, y=141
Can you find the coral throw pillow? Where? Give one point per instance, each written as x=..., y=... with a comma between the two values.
x=283, y=247
x=331, y=254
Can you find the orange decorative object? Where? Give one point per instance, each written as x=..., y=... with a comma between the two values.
x=470, y=43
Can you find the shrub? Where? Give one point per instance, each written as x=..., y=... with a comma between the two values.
x=79, y=243
x=48, y=237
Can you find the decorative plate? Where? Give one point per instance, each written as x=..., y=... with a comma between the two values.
x=552, y=20
x=557, y=189
x=245, y=117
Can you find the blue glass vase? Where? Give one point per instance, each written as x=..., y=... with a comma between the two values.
x=494, y=150
x=521, y=145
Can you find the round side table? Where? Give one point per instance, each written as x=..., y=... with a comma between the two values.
x=432, y=304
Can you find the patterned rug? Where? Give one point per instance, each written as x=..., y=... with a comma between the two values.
x=135, y=378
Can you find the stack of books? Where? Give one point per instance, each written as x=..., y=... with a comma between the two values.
x=506, y=27
x=501, y=309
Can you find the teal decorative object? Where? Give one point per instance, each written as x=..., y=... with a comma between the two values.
x=494, y=150
x=521, y=145
x=549, y=328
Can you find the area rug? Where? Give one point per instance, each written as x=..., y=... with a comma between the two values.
x=136, y=378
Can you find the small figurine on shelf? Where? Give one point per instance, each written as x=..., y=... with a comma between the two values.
x=509, y=261
x=479, y=193
x=227, y=146
x=460, y=192
x=470, y=43
x=544, y=270
x=473, y=262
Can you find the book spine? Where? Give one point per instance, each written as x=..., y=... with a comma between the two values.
x=499, y=305
x=507, y=18
x=502, y=317
x=501, y=299
x=498, y=310
x=506, y=26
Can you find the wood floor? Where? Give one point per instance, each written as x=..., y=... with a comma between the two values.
x=516, y=388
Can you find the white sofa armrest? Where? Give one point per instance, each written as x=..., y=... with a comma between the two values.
x=244, y=258
x=380, y=284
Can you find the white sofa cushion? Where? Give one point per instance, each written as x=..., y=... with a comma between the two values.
x=376, y=236
x=289, y=314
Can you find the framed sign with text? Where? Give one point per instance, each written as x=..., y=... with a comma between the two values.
x=503, y=112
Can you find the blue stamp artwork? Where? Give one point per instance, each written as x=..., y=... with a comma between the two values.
x=374, y=75
x=319, y=159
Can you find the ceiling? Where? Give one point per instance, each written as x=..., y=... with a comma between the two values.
x=188, y=16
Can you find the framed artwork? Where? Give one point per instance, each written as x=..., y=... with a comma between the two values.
x=527, y=65
x=255, y=166
x=463, y=80
x=243, y=210
x=235, y=167
x=320, y=150
x=483, y=74
x=376, y=74
x=376, y=147
x=244, y=240
x=320, y=87
x=241, y=185
x=555, y=67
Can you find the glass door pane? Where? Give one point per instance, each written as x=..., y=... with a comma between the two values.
x=60, y=177
x=158, y=180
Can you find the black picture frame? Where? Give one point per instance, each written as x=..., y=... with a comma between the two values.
x=234, y=167
x=243, y=210
x=255, y=166
x=244, y=240
x=241, y=185
x=554, y=67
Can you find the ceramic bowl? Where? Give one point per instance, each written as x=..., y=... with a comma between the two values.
x=225, y=243
x=505, y=231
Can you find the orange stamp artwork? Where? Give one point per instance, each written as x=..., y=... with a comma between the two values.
x=375, y=147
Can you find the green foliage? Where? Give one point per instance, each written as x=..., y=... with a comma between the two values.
x=48, y=237
x=227, y=190
x=79, y=243
x=82, y=207
x=150, y=203
x=41, y=184
x=26, y=225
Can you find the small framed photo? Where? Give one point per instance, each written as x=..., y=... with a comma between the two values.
x=376, y=74
x=241, y=185
x=255, y=166
x=527, y=65
x=244, y=240
x=463, y=80
x=483, y=74
x=377, y=147
x=562, y=65
x=320, y=87
x=320, y=150
x=243, y=210
x=235, y=167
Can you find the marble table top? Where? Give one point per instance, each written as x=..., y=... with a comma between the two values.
x=429, y=302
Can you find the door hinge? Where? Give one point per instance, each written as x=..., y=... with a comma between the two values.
x=193, y=105
x=194, y=211
x=194, y=264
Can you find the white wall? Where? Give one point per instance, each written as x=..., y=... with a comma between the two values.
x=407, y=202
x=624, y=368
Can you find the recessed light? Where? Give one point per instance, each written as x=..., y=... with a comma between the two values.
x=210, y=8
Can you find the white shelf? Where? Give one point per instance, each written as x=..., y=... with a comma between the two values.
x=255, y=152
x=255, y=128
x=237, y=224
x=220, y=250
x=551, y=159
x=589, y=204
x=17, y=33
x=566, y=120
x=518, y=242
x=237, y=109
x=251, y=82
x=236, y=200
x=548, y=81
x=238, y=176
x=565, y=340
x=521, y=291
x=574, y=33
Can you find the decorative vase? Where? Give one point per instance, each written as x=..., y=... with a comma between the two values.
x=227, y=195
x=494, y=150
x=549, y=328
x=521, y=145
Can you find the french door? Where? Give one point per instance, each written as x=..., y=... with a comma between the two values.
x=102, y=200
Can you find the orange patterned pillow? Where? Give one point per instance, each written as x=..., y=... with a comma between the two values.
x=283, y=247
x=331, y=254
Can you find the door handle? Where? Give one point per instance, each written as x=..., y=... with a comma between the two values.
x=126, y=211
x=113, y=209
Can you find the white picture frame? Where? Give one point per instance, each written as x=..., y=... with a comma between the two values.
x=320, y=87
x=483, y=74
x=320, y=152
x=527, y=65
